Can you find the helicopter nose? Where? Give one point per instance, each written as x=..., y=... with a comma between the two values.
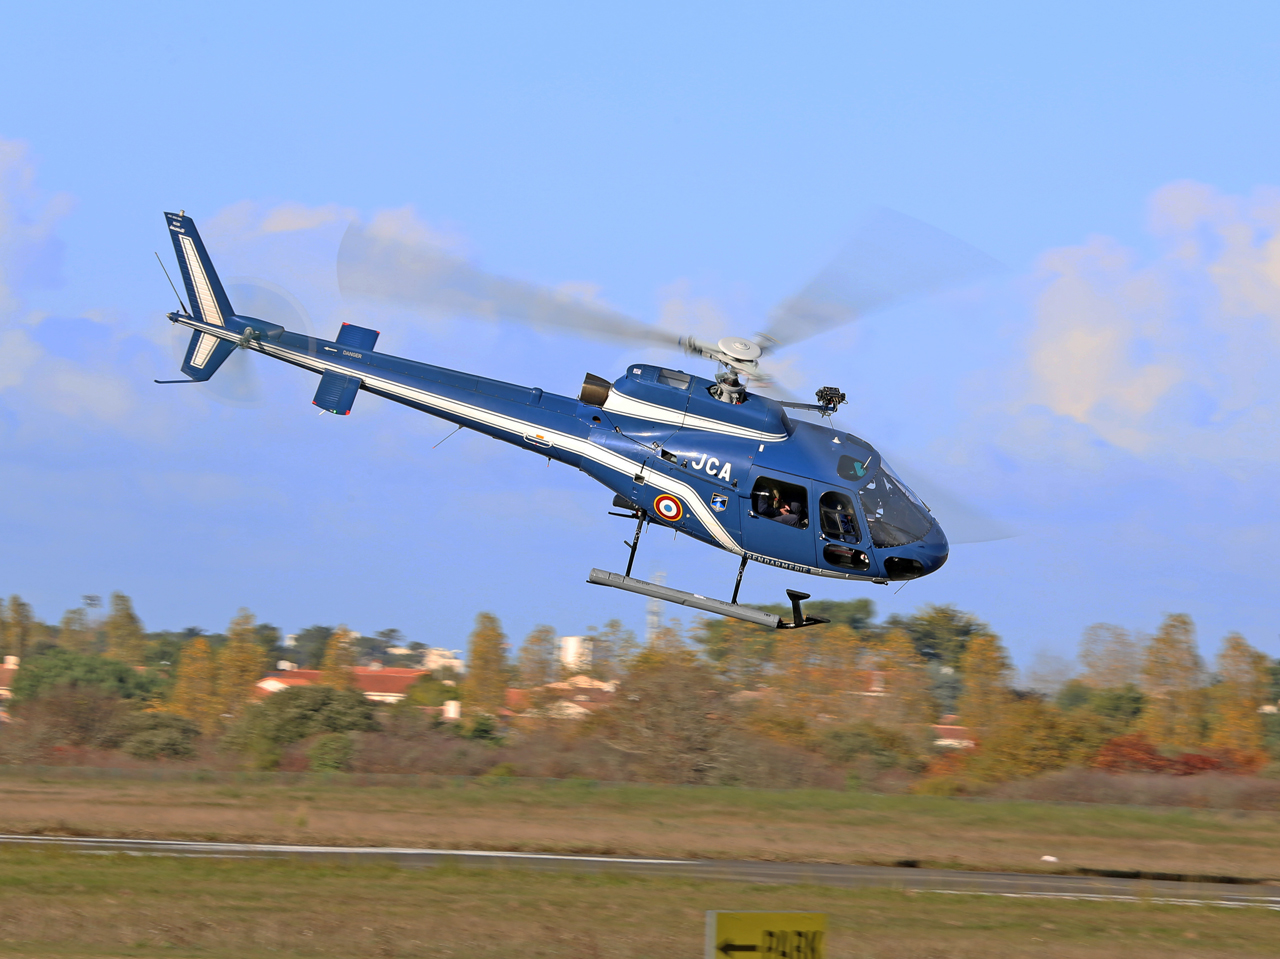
x=934, y=550
x=921, y=558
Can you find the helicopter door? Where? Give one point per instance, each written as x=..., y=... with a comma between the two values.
x=776, y=521
x=839, y=534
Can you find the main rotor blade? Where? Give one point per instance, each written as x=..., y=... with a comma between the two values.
x=961, y=521
x=891, y=258
x=377, y=265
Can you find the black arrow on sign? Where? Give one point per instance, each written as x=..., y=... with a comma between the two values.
x=729, y=948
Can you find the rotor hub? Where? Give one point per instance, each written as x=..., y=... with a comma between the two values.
x=737, y=348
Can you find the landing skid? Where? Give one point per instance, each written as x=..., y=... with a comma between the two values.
x=602, y=577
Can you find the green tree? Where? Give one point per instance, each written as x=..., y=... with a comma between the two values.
x=195, y=692
x=742, y=652
x=332, y=751
x=152, y=735
x=310, y=645
x=426, y=690
x=985, y=672
x=940, y=633
x=74, y=632
x=669, y=717
x=126, y=640
x=241, y=663
x=337, y=670
x=1119, y=706
x=612, y=650
x=539, y=659
x=484, y=687
x=294, y=714
x=19, y=628
x=56, y=667
x=1173, y=682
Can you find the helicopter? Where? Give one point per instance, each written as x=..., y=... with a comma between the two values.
x=713, y=458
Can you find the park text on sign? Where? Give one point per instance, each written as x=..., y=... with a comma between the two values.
x=766, y=935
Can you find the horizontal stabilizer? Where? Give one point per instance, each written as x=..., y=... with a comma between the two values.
x=205, y=353
x=356, y=337
x=602, y=577
x=336, y=392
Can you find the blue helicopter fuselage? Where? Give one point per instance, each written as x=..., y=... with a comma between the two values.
x=745, y=477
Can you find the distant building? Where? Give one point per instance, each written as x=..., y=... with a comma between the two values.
x=575, y=653
x=948, y=735
x=435, y=658
x=382, y=685
x=8, y=673
x=574, y=698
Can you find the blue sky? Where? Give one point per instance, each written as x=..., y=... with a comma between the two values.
x=1113, y=394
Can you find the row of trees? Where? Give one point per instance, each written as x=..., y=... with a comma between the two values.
x=119, y=633
x=113, y=629
x=853, y=691
x=891, y=680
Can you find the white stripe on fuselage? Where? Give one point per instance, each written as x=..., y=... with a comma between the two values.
x=624, y=405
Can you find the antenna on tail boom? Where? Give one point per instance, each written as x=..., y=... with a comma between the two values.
x=171, y=286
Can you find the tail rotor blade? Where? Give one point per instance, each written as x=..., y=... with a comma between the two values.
x=253, y=296
x=377, y=265
x=237, y=382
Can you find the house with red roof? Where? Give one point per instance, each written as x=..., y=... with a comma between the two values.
x=382, y=684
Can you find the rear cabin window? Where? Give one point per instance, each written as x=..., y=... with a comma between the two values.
x=784, y=503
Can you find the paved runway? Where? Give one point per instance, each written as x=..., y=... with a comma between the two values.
x=1017, y=885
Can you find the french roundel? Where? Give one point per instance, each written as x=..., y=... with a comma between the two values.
x=668, y=507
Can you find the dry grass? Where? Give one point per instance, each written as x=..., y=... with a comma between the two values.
x=719, y=823
x=56, y=903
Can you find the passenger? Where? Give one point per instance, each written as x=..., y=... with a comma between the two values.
x=768, y=503
x=788, y=514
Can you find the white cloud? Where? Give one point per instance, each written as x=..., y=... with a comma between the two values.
x=1174, y=355
x=248, y=220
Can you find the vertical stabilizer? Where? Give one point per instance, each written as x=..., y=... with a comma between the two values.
x=208, y=299
x=209, y=303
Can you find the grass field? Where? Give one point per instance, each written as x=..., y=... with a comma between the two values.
x=64, y=904
x=719, y=823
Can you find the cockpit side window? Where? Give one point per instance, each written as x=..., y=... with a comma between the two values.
x=851, y=468
x=784, y=503
x=837, y=517
x=893, y=516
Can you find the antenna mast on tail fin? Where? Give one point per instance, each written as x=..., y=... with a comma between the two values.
x=171, y=286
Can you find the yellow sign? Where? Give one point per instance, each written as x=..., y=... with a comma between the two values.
x=766, y=935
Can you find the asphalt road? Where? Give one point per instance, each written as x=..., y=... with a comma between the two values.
x=1019, y=885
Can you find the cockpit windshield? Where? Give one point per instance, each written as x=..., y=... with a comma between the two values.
x=904, y=487
x=895, y=515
